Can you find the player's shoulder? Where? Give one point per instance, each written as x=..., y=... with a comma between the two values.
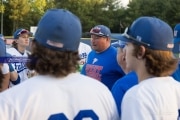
x=84, y=45
x=12, y=51
x=27, y=52
x=127, y=80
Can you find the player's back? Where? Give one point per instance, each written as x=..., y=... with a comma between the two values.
x=148, y=97
x=73, y=97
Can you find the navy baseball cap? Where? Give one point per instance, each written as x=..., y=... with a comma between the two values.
x=150, y=32
x=100, y=30
x=60, y=30
x=20, y=31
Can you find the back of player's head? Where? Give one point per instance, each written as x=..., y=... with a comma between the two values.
x=59, y=30
x=151, y=32
x=54, y=50
x=156, y=36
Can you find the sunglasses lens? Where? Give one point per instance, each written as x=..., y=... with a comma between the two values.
x=95, y=30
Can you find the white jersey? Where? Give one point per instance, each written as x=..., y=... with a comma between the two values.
x=84, y=50
x=20, y=66
x=152, y=99
x=69, y=98
x=5, y=68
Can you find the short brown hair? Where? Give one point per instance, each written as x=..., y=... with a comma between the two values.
x=14, y=44
x=46, y=61
x=158, y=63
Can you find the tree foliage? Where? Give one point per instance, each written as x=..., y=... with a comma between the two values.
x=18, y=10
x=26, y=13
x=165, y=10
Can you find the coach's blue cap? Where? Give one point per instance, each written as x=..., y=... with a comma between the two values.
x=60, y=30
x=20, y=31
x=100, y=30
x=2, y=48
x=150, y=32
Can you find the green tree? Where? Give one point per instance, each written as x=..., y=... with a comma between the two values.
x=166, y=10
x=91, y=12
x=18, y=11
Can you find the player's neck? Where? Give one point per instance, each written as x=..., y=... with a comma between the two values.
x=143, y=73
x=21, y=49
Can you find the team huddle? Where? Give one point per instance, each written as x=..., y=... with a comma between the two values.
x=61, y=78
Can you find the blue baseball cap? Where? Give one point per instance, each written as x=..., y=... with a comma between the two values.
x=20, y=31
x=100, y=30
x=176, y=40
x=2, y=37
x=177, y=33
x=60, y=30
x=150, y=32
x=2, y=48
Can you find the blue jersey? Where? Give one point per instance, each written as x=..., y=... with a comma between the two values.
x=176, y=74
x=103, y=66
x=121, y=86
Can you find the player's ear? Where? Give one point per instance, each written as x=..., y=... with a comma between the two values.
x=141, y=52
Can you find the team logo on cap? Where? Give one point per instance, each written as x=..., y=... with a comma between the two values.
x=175, y=33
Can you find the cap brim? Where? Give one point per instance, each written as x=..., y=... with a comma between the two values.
x=120, y=37
x=89, y=33
x=119, y=43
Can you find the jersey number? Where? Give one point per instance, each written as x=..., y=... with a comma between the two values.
x=82, y=114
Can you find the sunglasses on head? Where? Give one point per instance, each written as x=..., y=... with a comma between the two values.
x=97, y=30
x=125, y=34
x=22, y=32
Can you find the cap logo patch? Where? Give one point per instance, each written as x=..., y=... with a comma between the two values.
x=170, y=45
x=175, y=33
x=55, y=44
x=139, y=38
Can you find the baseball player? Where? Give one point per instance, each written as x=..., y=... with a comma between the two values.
x=149, y=53
x=84, y=50
x=122, y=85
x=20, y=54
x=58, y=91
